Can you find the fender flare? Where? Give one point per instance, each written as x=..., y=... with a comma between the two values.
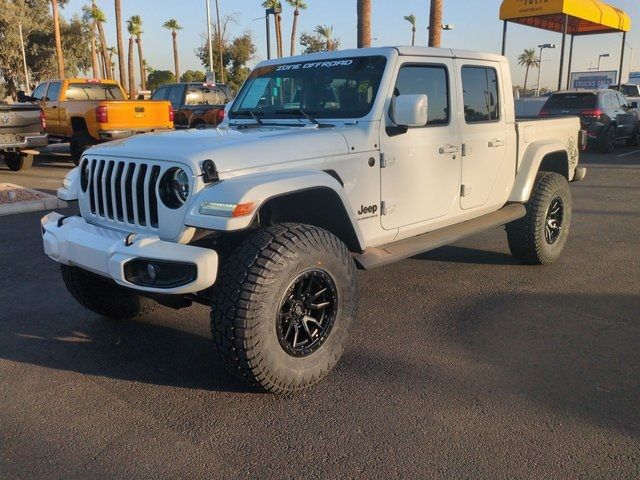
x=530, y=166
x=259, y=189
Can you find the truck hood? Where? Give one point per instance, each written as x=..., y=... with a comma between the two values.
x=231, y=149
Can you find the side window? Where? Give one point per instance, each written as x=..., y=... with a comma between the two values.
x=160, y=94
x=481, y=96
x=53, y=94
x=175, y=95
x=431, y=80
x=40, y=91
x=623, y=100
x=608, y=103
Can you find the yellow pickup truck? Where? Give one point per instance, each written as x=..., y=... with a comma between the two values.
x=88, y=111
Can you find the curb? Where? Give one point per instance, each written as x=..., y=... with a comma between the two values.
x=48, y=203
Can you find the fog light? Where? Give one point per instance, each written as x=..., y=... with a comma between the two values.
x=159, y=273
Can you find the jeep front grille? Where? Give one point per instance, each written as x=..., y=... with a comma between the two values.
x=124, y=192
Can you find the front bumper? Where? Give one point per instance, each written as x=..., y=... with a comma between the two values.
x=27, y=141
x=73, y=241
x=108, y=135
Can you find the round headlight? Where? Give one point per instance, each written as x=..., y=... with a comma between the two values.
x=84, y=175
x=174, y=188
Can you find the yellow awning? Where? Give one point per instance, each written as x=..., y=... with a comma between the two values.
x=585, y=16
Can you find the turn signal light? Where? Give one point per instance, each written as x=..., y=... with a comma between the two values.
x=592, y=113
x=171, y=113
x=43, y=121
x=220, y=116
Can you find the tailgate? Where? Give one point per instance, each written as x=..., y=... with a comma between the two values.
x=19, y=119
x=134, y=115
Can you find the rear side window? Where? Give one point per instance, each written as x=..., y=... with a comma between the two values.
x=93, y=91
x=430, y=80
x=40, y=91
x=175, y=95
x=571, y=101
x=197, y=95
x=481, y=100
x=160, y=94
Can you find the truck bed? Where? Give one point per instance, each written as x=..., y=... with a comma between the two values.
x=18, y=119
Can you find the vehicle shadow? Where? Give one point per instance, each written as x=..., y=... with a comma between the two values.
x=455, y=254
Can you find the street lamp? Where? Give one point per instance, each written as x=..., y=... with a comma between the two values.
x=604, y=55
x=542, y=47
x=274, y=12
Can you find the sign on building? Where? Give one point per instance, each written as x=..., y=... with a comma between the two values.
x=593, y=80
x=634, y=77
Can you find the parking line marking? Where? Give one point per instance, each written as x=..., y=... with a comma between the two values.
x=628, y=154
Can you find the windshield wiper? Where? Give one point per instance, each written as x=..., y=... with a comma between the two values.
x=300, y=112
x=253, y=115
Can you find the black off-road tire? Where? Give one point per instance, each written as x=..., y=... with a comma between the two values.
x=254, y=282
x=80, y=141
x=634, y=141
x=104, y=297
x=607, y=143
x=528, y=236
x=18, y=161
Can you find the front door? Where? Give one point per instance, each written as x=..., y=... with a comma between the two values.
x=483, y=131
x=51, y=108
x=421, y=174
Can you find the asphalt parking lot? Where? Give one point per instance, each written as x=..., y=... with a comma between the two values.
x=462, y=364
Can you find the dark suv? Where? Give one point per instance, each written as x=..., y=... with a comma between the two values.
x=195, y=104
x=605, y=114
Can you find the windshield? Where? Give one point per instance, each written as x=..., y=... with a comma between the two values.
x=631, y=90
x=569, y=101
x=341, y=88
x=93, y=91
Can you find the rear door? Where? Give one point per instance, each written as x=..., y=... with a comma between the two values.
x=625, y=117
x=421, y=178
x=483, y=130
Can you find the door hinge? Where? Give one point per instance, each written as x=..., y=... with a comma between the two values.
x=465, y=190
x=386, y=208
x=466, y=149
x=383, y=162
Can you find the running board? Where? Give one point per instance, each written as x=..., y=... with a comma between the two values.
x=392, y=252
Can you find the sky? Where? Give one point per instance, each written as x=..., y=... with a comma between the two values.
x=476, y=27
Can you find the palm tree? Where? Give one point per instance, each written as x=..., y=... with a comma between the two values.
x=133, y=28
x=174, y=26
x=95, y=17
x=123, y=76
x=138, y=20
x=58, y=39
x=364, y=23
x=326, y=31
x=412, y=20
x=297, y=5
x=98, y=18
x=528, y=59
x=277, y=21
x=435, y=23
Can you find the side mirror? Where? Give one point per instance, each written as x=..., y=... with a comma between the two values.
x=411, y=110
x=23, y=97
x=634, y=105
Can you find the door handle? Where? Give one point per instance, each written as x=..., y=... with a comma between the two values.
x=495, y=143
x=54, y=107
x=449, y=149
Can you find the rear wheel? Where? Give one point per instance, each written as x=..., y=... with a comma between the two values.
x=608, y=141
x=283, y=306
x=18, y=161
x=539, y=237
x=634, y=141
x=80, y=141
x=104, y=297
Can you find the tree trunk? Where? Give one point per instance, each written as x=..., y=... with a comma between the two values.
x=526, y=78
x=364, y=23
x=56, y=34
x=435, y=24
x=123, y=75
x=278, y=20
x=143, y=81
x=132, y=78
x=413, y=36
x=175, y=55
x=106, y=55
x=294, y=30
x=94, y=53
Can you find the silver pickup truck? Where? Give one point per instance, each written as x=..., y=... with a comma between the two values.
x=21, y=129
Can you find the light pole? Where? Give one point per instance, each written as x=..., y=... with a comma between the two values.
x=24, y=60
x=604, y=55
x=209, y=37
x=542, y=47
x=267, y=12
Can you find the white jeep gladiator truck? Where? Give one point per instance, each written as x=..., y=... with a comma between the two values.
x=327, y=163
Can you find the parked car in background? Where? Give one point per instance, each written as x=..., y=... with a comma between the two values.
x=629, y=90
x=89, y=111
x=21, y=129
x=195, y=104
x=606, y=115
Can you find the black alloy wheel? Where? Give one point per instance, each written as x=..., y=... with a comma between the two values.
x=553, y=222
